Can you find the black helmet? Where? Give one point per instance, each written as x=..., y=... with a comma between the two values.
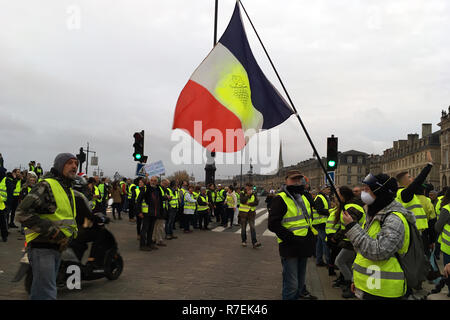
x=80, y=184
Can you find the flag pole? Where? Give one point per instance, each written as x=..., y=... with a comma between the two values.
x=293, y=106
x=215, y=22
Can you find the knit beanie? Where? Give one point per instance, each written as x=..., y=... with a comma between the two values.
x=61, y=160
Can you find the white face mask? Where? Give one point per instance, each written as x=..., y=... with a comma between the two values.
x=367, y=198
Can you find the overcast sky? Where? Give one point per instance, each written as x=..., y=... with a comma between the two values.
x=96, y=71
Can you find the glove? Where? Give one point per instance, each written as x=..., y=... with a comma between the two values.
x=63, y=244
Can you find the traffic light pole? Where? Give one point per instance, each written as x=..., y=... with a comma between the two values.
x=87, y=156
x=295, y=110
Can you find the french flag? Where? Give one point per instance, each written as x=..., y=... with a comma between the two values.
x=228, y=98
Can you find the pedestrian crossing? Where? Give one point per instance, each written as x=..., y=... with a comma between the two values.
x=261, y=218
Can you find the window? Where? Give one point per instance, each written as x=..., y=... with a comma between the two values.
x=360, y=160
x=349, y=169
x=349, y=179
x=359, y=169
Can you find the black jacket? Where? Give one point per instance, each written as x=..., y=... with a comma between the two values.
x=292, y=246
x=154, y=199
x=408, y=193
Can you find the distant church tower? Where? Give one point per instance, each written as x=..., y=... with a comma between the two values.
x=280, y=158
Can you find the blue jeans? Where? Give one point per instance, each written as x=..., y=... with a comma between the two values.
x=45, y=264
x=294, y=274
x=250, y=219
x=170, y=221
x=321, y=247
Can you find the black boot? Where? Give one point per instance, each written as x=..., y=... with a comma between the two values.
x=338, y=282
x=347, y=292
x=331, y=271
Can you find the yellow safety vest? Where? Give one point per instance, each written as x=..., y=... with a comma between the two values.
x=144, y=206
x=174, y=201
x=188, y=205
x=204, y=207
x=3, y=190
x=445, y=235
x=16, y=192
x=383, y=278
x=330, y=227
x=196, y=194
x=294, y=219
x=64, y=216
x=245, y=207
x=2, y=204
x=318, y=218
x=438, y=206
x=101, y=188
x=129, y=191
x=415, y=207
x=162, y=195
x=230, y=201
x=219, y=196
x=238, y=198
x=361, y=221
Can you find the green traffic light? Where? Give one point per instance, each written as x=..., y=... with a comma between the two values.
x=138, y=156
x=331, y=163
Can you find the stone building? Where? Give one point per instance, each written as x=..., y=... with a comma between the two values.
x=352, y=168
x=444, y=172
x=410, y=155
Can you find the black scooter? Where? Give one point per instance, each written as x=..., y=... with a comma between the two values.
x=109, y=260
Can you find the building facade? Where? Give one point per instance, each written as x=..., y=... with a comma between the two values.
x=410, y=155
x=444, y=172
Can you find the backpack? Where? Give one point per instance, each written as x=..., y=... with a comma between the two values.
x=414, y=262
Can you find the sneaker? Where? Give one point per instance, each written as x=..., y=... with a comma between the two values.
x=256, y=245
x=307, y=296
x=153, y=247
x=161, y=244
x=12, y=225
x=244, y=244
x=145, y=248
x=174, y=237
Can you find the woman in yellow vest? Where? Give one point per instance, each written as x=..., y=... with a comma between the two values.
x=344, y=259
x=377, y=273
x=442, y=228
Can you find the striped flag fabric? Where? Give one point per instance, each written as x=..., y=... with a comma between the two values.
x=228, y=98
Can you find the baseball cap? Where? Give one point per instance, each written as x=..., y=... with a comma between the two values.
x=293, y=174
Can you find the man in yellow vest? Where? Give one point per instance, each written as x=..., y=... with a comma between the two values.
x=174, y=204
x=291, y=220
x=377, y=273
x=320, y=215
x=13, y=187
x=203, y=209
x=48, y=214
x=408, y=190
x=219, y=204
x=132, y=200
x=247, y=215
x=39, y=170
x=3, y=222
x=442, y=228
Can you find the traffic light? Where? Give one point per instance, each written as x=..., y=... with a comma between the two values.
x=138, y=146
x=332, y=153
x=81, y=157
